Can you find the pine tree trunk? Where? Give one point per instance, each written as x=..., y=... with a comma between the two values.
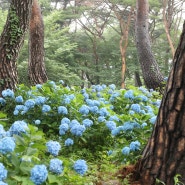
x=36, y=66
x=152, y=76
x=164, y=155
x=11, y=41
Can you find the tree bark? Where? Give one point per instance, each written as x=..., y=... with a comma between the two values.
x=11, y=41
x=36, y=66
x=164, y=155
x=152, y=76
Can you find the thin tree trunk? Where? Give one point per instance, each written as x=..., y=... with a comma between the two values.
x=11, y=41
x=164, y=155
x=36, y=66
x=152, y=76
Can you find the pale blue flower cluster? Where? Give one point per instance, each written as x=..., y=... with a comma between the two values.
x=7, y=144
x=112, y=86
x=19, y=99
x=62, y=110
x=69, y=142
x=135, y=145
x=40, y=100
x=37, y=122
x=87, y=123
x=63, y=128
x=46, y=108
x=129, y=94
x=3, y=183
x=53, y=147
x=142, y=98
x=2, y=101
x=18, y=127
x=84, y=109
x=153, y=119
x=3, y=172
x=8, y=93
x=77, y=129
x=80, y=166
x=111, y=125
x=2, y=131
x=56, y=166
x=68, y=98
x=39, y=174
x=38, y=86
x=29, y=103
x=104, y=112
x=126, y=150
x=136, y=108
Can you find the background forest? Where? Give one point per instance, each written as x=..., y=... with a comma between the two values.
x=83, y=40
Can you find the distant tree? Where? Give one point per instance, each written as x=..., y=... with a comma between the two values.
x=11, y=41
x=36, y=65
x=153, y=78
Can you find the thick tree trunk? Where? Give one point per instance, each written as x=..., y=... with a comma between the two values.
x=11, y=41
x=152, y=76
x=36, y=66
x=164, y=155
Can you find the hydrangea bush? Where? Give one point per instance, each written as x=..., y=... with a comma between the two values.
x=57, y=133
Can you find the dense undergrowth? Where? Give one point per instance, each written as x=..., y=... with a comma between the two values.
x=51, y=134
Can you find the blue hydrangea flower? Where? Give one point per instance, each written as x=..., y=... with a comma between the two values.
x=2, y=101
x=2, y=131
x=40, y=100
x=87, y=122
x=19, y=107
x=18, y=127
x=56, y=166
x=15, y=112
x=62, y=110
x=136, y=108
x=109, y=152
x=112, y=86
x=89, y=102
x=77, y=130
x=128, y=126
x=135, y=145
x=103, y=112
x=19, y=99
x=8, y=93
x=153, y=119
x=39, y=174
x=61, y=82
x=63, y=128
x=38, y=86
x=46, y=108
x=125, y=150
x=143, y=98
x=73, y=123
x=101, y=119
x=3, y=172
x=94, y=109
x=53, y=147
x=69, y=142
x=3, y=183
x=129, y=94
x=111, y=125
x=65, y=120
x=37, y=122
x=86, y=96
x=113, y=118
x=29, y=103
x=84, y=109
x=80, y=166
x=143, y=125
x=7, y=144
x=98, y=88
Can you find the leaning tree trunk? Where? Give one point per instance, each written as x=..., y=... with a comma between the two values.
x=11, y=41
x=164, y=155
x=36, y=66
x=152, y=76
